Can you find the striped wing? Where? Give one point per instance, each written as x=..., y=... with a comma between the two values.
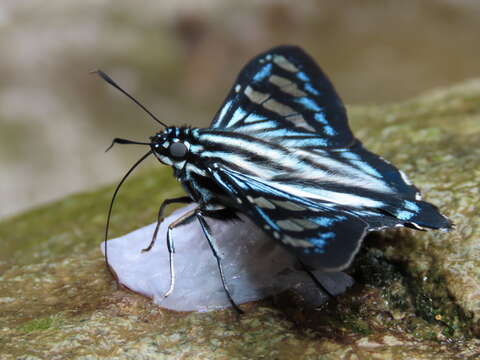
x=324, y=233
x=320, y=234
x=352, y=179
x=284, y=97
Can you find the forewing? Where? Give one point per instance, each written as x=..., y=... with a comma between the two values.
x=321, y=235
x=283, y=96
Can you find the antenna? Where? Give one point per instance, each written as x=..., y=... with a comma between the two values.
x=109, y=80
x=112, y=201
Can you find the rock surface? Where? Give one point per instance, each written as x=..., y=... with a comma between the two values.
x=417, y=294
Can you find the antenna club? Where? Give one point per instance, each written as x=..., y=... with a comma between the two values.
x=109, y=80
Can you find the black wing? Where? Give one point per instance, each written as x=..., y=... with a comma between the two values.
x=283, y=96
x=320, y=234
x=324, y=234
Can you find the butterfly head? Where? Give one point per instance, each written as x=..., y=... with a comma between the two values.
x=171, y=146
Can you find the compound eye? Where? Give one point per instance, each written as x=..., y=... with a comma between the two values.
x=178, y=150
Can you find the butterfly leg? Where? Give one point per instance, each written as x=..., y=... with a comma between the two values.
x=218, y=257
x=182, y=220
x=160, y=217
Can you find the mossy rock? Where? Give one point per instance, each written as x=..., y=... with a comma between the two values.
x=417, y=294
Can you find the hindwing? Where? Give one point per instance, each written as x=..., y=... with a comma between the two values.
x=322, y=235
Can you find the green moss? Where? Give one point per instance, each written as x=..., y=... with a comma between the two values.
x=404, y=291
x=356, y=325
x=436, y=306
x=51, y=322
x=372, y=268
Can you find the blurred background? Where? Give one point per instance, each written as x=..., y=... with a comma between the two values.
x=180, y=58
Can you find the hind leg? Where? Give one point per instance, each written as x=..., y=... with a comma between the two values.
x=218, y=256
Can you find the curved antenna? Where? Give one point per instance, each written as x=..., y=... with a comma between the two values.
x=107, y=225
x=109, y=80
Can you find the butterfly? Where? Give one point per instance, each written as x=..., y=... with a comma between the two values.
x=280, y=151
